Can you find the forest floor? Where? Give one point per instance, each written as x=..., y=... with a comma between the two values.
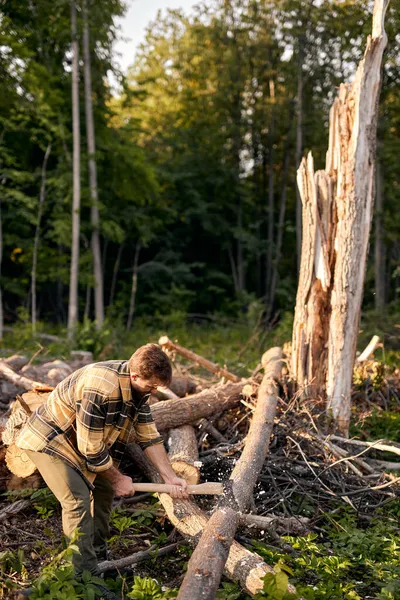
x=350, y=547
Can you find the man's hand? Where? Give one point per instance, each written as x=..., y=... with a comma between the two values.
x=180, y=487
x=123, y=486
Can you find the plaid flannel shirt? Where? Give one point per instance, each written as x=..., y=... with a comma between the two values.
x=89, y=418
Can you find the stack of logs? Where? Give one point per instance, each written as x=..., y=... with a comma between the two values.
x=217, y=551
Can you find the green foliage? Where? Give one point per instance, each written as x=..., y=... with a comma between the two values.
x=379, y=425
x=148, y=589
x=57, y=579
x=350, y=564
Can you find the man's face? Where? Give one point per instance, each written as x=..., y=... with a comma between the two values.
x=144, y=386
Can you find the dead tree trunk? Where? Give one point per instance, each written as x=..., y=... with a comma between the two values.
x=337, y=213
x=134, y=286
x=208, y=560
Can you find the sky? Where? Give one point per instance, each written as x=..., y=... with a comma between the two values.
x=134, y=23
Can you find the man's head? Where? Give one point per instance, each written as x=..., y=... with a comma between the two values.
x=149, y=368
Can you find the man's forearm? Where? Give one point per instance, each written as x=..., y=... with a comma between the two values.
x=159, y=458
x=112, y=474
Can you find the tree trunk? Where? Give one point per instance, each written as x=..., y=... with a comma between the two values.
x=91, y=148
x=184, y=453
x=134, y=286
x=299, y=147
x=270, y=240
x=37, y=236
x=337, y=213
x=380, y=251
x=281, y=223
x=115, y=275
x=76, y=203
x=1, y=292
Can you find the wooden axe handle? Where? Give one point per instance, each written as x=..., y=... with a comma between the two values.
x=213, y=488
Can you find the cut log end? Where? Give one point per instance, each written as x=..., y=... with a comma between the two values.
x=186, y=471
x=18, y=462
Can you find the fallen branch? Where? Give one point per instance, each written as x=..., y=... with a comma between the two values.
x=166, y=343
x=13, y=509
x=370, y=349
x=133, y=559
x=289, y=525
x=384, y=445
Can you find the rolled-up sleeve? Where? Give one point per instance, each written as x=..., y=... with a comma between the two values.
x=145, y=431
x=90, y=421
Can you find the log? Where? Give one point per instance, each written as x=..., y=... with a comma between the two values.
x=202, y=580
x=208, y=560
x=174, y=413
x=16, y=361
x=20, y=380
x=166, y=343
x=185, y=453
x=242, y=565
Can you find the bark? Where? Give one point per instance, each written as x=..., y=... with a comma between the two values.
x=134, y=286
x=208, y=560
x=166, y=343
x=37, y=236
x=13, y=509
x=185, y=453
x=380, y=250
x=337, y=210
x=73, y=285
x=207, y=563
x=91, y=148
x=174, y=413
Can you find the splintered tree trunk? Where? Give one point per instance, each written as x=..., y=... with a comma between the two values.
x=299, y=147
x=91, y=148
x=76, y=202
x=337, y=214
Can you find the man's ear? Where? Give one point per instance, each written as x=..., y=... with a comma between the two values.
x=134, y=376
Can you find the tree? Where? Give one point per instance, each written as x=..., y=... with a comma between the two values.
x=73, y=286
x=91, y=148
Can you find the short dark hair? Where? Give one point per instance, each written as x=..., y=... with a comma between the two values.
x=150, y=361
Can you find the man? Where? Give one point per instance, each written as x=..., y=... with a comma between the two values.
x=78, y=436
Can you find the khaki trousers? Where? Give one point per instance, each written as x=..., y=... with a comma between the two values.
x=90, y=511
